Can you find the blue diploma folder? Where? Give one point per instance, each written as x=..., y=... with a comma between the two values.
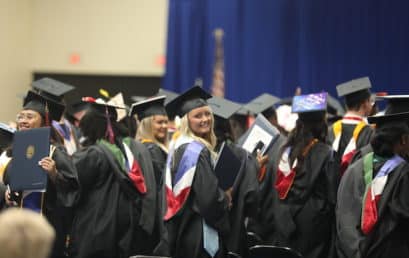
x=29, y=147
x=227, y=167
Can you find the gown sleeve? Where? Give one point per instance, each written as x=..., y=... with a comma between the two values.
x=66, y=181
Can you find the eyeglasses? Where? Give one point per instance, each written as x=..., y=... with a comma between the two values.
x=27, y=116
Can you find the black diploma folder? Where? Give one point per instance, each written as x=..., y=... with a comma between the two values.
x=227, y=167
x=29, y=147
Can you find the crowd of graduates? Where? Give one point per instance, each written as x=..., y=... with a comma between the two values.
x=140, y=180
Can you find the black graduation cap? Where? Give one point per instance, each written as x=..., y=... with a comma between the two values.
x=170, y=95
x=355, y=90
x=102, y=107
x=77, y=106
x=51, y=88
x=43, y=105
x=262, y=103
x=353, y=86
x=149, y=107
x=396, y=103
x=6, y=135
x=193, y=98
x=334, y=106
x=382, y=119
x=222, y=107
x=311, y=106
x=310, y=103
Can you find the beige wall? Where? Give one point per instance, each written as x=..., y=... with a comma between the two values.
x=14, y=55
x=117, y=37
x=111, y=36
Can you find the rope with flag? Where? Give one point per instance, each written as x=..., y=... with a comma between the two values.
x=217, y=88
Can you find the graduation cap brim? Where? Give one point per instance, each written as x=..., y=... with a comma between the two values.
x=396, y=103
x=222, y=107
x=170, y=95
x=262, y=103
x=285, y=101
x=77, y=106
x=102, y=107
x=194, y=97
x=39, y=103
x=52, y=88
x=382, y=119
x=138, y=98
x=353, y=86
x=149, y=107
x=334, y=106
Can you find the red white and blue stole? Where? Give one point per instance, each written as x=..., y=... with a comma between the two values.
x=177, y=191
x=374, y=189
x=128, y=163
x=350, y=149
x=286, y=172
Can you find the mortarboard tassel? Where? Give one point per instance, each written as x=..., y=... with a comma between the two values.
x=47, y=115
x=109, y=131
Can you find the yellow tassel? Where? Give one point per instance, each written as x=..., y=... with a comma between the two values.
x=104, y=93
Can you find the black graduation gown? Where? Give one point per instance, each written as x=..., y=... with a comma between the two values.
x=59, y=199
x=262, y=225
x=305, y=219
x=389, y=237
x=158, y=156
x=245, y=202
x=205, y=201
x=112, y=218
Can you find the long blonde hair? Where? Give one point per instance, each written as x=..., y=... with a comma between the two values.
x=209, y=141
x=144, y=133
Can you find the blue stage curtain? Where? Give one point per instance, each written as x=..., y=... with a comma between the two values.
x=275, y=46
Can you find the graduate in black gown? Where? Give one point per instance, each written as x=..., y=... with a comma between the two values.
x=153, y=131
x=261, y=225
x=373, y=208
x=6, y=139
x=396, y=104
x=64, y=128
x=116, y=212
x=245, y=189
x=59, y=198
x=197, y=214
x=306, y=183
x=352, y=132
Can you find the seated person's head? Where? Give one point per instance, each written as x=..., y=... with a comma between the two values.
x=24, y=234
